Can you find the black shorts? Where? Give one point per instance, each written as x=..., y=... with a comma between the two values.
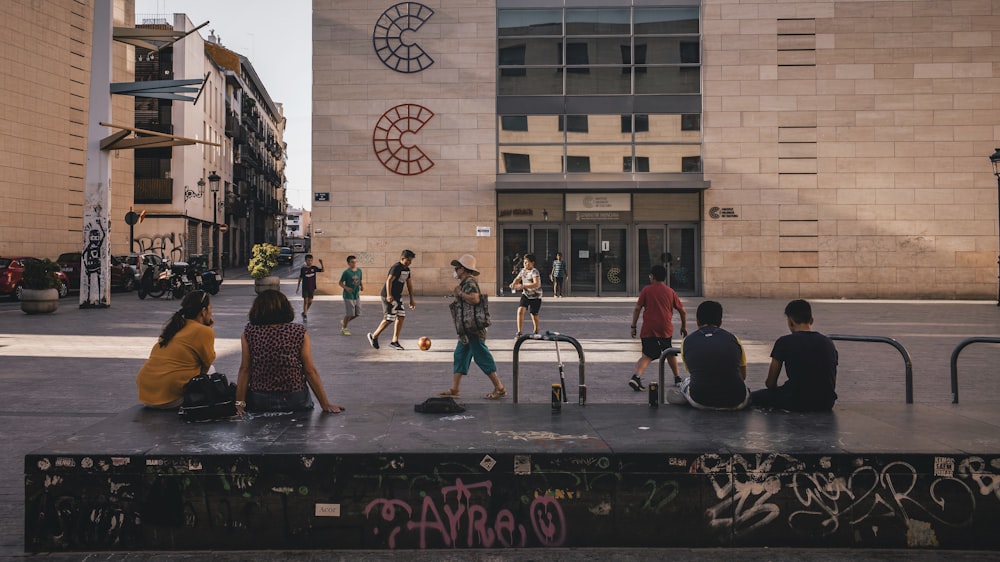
x=654, y=347
x=393, y=310
x=308, y=293
x=533, y=305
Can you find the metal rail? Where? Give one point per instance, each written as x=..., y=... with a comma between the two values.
x=954, y=361
x=553, y=337
x=899, y=347
x=663, y=358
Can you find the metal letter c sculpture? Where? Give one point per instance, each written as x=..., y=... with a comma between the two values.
x=387, y=38
x=387, y=139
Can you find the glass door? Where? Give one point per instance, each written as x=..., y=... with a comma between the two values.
x=673, y=246
x=545, y=244
x=598, y=261
x=514, y=246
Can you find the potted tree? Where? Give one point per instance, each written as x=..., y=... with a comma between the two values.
x=263, y=259
x=40, y=285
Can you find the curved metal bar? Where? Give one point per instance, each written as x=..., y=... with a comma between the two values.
x=899, y=347
x=954, y=361
x=663, y=358
x=549, y=336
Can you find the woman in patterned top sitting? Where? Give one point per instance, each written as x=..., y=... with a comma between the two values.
x=277, y=362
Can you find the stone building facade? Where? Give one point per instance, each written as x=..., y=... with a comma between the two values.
x=840, y=148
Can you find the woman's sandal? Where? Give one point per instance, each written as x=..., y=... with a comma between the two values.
x=450, y=393
x=497, y=394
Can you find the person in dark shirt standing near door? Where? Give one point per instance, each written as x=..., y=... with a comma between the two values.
x=392, y=300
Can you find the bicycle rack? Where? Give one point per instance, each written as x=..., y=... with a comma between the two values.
x=954, y=362
x=553, y=337
x=893, y=343
x=663, y=358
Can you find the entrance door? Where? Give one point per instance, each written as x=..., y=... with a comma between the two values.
x=673, y=246
x=543, y=241
x=598, y=261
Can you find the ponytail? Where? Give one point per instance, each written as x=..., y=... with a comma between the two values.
x=191, y=307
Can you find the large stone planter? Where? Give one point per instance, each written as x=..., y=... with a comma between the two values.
x=265, y=283
x=39, y=301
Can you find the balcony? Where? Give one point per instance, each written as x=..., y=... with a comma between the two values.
x=153, y=190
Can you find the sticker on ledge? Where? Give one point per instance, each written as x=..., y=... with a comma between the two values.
x=328, y=510
x=944, y=467
x=488, y=463
x=522, y=464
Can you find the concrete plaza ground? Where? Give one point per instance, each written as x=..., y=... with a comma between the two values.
x=73, y=368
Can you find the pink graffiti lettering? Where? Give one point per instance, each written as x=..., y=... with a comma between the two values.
x=462, y=519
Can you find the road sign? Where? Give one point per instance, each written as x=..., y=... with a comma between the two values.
x=223, y=227
x=131, y=218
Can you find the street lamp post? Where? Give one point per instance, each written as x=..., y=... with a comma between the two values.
x=995, y=159
x=213, y=184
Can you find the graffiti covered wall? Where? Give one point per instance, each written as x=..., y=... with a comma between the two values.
x=495, y=501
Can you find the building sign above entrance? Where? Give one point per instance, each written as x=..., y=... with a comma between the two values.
x=600, y=216
x=598, y=202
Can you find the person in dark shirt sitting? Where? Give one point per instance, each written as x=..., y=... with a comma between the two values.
x=810, y=361
x=717, y=363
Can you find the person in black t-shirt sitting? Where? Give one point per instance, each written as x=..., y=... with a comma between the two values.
x=810, y=361
x=717, y=363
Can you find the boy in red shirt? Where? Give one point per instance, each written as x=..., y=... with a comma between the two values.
x=657, y=303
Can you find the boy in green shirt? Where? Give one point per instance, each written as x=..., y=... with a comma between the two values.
x=350, y=282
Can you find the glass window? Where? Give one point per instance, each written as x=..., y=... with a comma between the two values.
x=532, y=51
x=635, y=164
x=691, y=122
x=514, y=122
x=667, y=50
x=573, y=123
x=516, y=163
x=603, y=21
x=691, y=164
x=577, y=164
x=668, y=80
x=661, y=21
x=529, y=22
x=599, y=81
x=576, y=54
x=544, y=159
x=512, y=56
x=535, y=82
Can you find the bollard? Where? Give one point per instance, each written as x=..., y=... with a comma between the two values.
x=654, y=395
x=556, y=397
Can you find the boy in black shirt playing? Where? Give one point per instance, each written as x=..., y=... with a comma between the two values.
x=392, y=300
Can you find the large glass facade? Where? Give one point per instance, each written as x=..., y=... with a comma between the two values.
x=611, y=56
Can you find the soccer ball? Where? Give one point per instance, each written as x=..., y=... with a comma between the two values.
x=424, y=343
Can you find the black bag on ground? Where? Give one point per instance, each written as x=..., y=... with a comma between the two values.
x=208, y=397
x=443, y=405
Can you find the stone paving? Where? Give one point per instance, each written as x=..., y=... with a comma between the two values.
x=72, y=368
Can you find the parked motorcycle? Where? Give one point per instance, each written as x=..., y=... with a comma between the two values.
x=205, y=278
x=149, y=283
x=177, y=279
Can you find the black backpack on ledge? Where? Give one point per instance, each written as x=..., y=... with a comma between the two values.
x=208, y=397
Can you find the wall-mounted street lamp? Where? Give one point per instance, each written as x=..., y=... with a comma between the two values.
x=995, y=159
x=190, y=193
x=213, y=185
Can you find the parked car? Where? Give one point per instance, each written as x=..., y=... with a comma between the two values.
x=11, y=270
x=285, y=256
x=299, y=247
x=122, y=276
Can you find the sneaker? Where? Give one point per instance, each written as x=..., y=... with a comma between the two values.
x=344, y=332
x=519, y=334
x=395, y=345
x=372, y=341
x=304, y=317
x=636, y=383
x=342, y=325
x=677, y=380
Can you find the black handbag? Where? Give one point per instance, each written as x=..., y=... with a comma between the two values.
x=208, y=397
